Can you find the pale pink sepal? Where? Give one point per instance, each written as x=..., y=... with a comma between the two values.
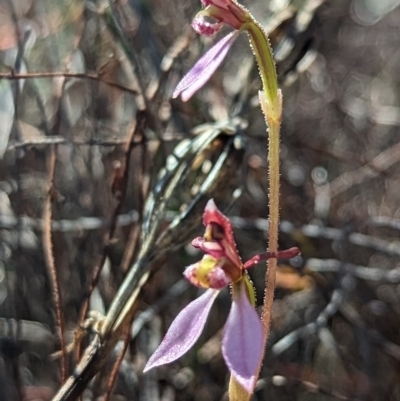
x=205, y=67
x=184, y=331
x=242, y=343
x=217, y=3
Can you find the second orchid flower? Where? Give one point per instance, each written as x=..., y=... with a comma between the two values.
x=242, y=343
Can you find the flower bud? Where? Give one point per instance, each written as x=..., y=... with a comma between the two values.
x=204, y=27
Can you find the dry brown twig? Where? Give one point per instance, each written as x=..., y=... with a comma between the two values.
x=117, y=364
x=66, y=74
x=50, y=262
x=119, y=185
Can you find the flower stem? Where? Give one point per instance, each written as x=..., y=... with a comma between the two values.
x=271, y=106
x=273, y=118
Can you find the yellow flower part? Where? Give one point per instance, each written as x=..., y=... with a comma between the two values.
x=209, y=273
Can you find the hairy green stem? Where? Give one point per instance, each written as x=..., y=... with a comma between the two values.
x=271, y=105
x=274, y=123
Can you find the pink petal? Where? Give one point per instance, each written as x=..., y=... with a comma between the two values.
x=204, y=68
x=184, y=331
x=212, y=248
x=286, y=254
x=242, y=343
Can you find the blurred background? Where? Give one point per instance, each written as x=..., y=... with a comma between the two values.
x=88, y=137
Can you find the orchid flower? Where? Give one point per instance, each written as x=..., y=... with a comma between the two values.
x=223, y=12
x=233, y=14
x=243, y=338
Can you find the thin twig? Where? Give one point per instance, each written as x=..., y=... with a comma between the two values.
x=61, y=74
x=385, y=221
x=380, y=163
x=82, y=223
x=50, y=263
x=177, y=47
x=377, y=274
x=391, y=248
x=317, y=389
x=135, y=229
x=59, y=140
x=353, y=317
x=120, y=185
x=143, y=103
x=117, y=363
x=311, y=328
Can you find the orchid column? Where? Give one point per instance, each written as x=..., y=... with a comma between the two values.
x=207, y=22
